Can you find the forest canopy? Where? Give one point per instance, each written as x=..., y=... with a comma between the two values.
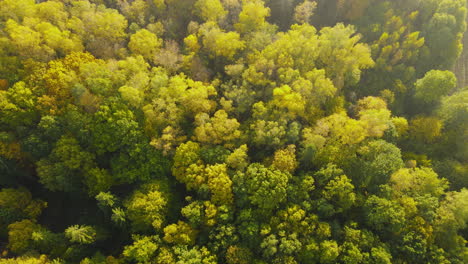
x=232, y=131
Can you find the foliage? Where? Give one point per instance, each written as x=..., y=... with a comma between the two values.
x=232, y=131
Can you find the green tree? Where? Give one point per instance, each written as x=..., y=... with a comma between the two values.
x=81, y=234
x=341, y=54
x=17, y=106
x=20, y=235
x=180, y=234
x=434, y=85
x=263, y=187
x=143, y=249
x=285, y=159
x=418, y=182
x=194, y=255
x=148, y=206
x=63, y=169
x=217, y=129
x=27, y=260
x=20, y=202
x=375, y=162
x=453, y=111
x=452, y=217
x=220, y=184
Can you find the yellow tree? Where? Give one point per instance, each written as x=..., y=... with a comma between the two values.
x=145, y=43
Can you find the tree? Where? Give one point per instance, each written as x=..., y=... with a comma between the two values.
x=63, y=168
x=434, y=85
x=375, y=162
x=238, y=255
x=186, y=155
x=105, y=29
x=340, y=192
x=342, y=56
x=217, y=129
x=252, y=17
x=329, y=251
x=374, y=115
x=304, y=11
x=285, y=159
x=181, y=97
x=263, y=187
x=418, y=182
x=114, y=121
x=238, y=159
x=81, y=234
x=27, y=260
x=180, y=234
x=143, y=249
x=451, y=217
x=332, y=139
x=133, y=96
x=288, y=101
x=210, y=10
x=145, y=43
x=219, y=43
x=194, y=255
x=425, y=129
x=453, y=111
x=201, y=213
x=17, y=106
x=384, y=215
x=267, y=133
x=16, y=204
x=137, y=12
x=148, y=206
x=443, y=33
x=220, y=184
x=139, y=162
x=20, y=235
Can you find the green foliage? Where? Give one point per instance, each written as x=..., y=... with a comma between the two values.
x=81, y=234
x=20, y=235
x=434, y=85
x=216, y=130
x=418, y=182
x=452, y=215
x=264, y=187
x=29, y=260
x=384, y=215
x=376, y=161
x=19, y=202
x=61, y=169
x=147, y=207
x=142, y=250
x=194, y=255
x=219, y=131
x=17, y=106
x=453, y=111
x=180, y=234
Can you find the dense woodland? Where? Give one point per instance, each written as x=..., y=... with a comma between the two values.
x=232, y=132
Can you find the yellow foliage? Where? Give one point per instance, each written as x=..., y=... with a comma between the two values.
x=180, y=233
